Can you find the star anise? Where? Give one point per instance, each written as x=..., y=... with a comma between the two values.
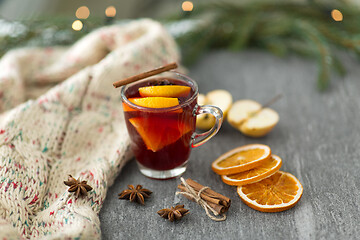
x=77, y=186
x=173, y=213
x=135, y=194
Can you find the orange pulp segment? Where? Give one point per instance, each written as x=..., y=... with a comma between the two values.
x=277, y=193
x=266, y=169
x=155, y=102
x=241, y=159
x=158, y=132
x=165, y=91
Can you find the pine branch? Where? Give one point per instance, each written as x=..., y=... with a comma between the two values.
x=281, y=28
x=323, y=53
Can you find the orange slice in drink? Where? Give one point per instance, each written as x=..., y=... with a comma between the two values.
x=241, y=159
x=159, y=132
x=277, y=193
x=155, y=102
x=127, y=108
x=152, y=102
x=165, y=91
x=266, y=169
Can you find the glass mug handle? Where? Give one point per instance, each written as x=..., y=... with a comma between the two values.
x=204, y=137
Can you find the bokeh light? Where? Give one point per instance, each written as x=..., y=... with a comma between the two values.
x=77, y=25
x=82, y=12
x=110, y=11
x=187, y=6
x=336, y=15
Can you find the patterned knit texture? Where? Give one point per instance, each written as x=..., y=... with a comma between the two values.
x=76, y=127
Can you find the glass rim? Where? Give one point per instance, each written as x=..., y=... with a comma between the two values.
x=168, y=109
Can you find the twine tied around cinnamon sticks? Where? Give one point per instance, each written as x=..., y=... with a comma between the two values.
x=208, y=199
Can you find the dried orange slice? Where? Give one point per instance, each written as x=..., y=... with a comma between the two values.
x=277, y=193
x=266, y=169
x=165, y=91
x=166, y=132
x=155, y=102
x=241, y=159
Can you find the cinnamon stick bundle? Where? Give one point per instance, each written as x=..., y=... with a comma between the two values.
x=218, y=202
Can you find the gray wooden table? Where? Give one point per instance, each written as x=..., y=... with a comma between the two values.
x=318, y=138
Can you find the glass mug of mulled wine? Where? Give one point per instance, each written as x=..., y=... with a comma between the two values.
x=160, y=115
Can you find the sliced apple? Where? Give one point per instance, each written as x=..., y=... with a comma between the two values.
x=204, y=121
x=220, y=98
x=241, y=110
x=248, y=117
x=201, y=99
x=260, y=124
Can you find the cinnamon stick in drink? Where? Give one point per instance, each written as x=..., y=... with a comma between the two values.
x=143, y=75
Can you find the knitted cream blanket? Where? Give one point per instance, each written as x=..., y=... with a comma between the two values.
x=76, y=127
